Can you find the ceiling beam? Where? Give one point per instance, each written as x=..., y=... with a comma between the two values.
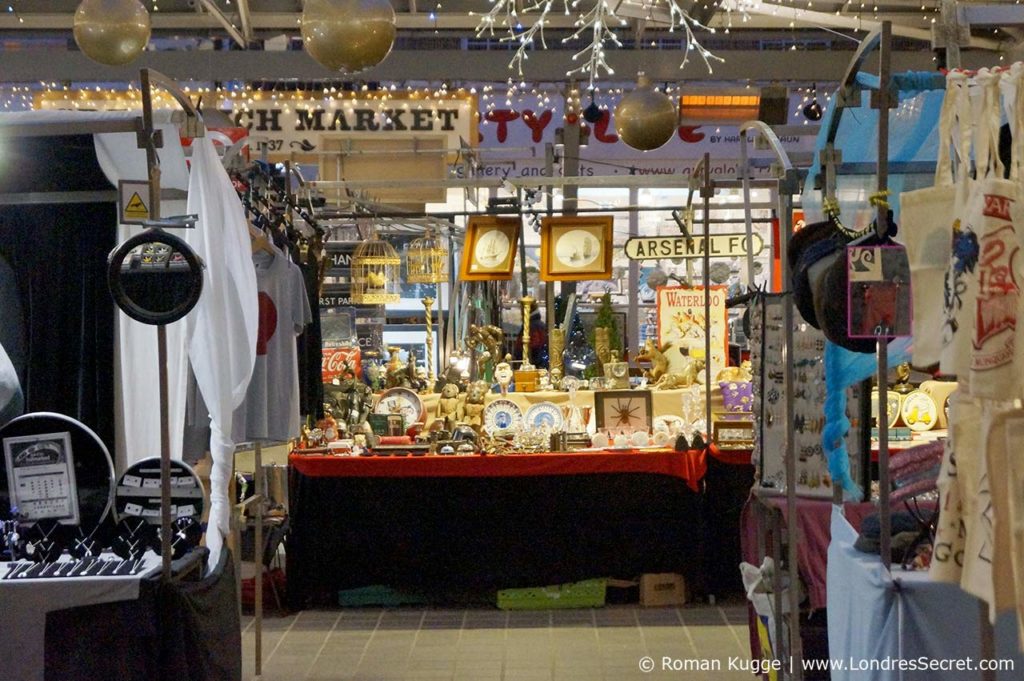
x=830, y=20
x=245, y=17
x=429, y=65
x=223, y=21
x=410, y=21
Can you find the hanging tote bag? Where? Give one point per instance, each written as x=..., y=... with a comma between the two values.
x=956, y=288
x=925, y=232
x=950, y=531
x=993, y=303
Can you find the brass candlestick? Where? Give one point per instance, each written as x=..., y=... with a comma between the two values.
x=527, y=303
x=428, y=305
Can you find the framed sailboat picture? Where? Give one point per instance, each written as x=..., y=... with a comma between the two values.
x=576, y=248
x=490, y=248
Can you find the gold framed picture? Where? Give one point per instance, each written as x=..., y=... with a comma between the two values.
x=623, y=411
x=490, y=248
x=576, y=248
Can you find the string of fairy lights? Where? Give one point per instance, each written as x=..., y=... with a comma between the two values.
x=517, y=96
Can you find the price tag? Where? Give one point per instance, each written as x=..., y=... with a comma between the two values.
x=878, y=292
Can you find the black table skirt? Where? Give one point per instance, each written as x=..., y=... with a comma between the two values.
x=471, y=535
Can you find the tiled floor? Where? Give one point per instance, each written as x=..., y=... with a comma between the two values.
x=606, y=644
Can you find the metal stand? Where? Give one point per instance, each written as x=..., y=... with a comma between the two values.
x=707, y=191
x=788, y=185
x=150, y=139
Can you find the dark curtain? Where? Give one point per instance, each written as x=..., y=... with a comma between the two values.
x=310, y=346
x=58, y=253
x=451, y=536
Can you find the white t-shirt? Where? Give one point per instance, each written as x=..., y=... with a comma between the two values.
x=270, y=411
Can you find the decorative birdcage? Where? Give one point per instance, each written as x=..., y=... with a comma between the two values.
x=427, y=259
x=375, y=273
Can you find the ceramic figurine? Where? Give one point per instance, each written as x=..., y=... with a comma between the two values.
x=656, y=356
x=448, y=405
x=616, y=372
x=503, y=374
x=473, y=405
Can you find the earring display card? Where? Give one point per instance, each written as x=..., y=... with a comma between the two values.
x=878, y=292
x=808, y=351
x=41, y=475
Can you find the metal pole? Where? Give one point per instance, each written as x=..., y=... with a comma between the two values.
x=747, y=212
x=882, y=225
x=632, y=312
x=570, y=168
x=792, y=521
x=257, y=552
x=165, y=455
x=707, y=191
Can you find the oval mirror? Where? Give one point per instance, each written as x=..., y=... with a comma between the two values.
x=155, y=277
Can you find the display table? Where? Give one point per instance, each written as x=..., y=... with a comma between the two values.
x=663, y=402
x=461, y=524
x=877, y=615
x=813, y=517
x=25, y=604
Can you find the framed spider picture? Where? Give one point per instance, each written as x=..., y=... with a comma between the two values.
x=623, y=411
x=576, y=248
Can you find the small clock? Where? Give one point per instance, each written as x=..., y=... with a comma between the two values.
x=401, y=401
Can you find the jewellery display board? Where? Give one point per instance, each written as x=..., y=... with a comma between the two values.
x=808, y=354
x=56, y=468
x=138, y=492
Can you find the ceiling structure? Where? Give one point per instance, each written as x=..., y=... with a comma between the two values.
x=221, y=40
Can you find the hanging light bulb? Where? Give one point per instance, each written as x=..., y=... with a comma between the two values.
x=592, y=114
x=813, y=110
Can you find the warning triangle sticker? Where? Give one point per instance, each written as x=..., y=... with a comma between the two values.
x=136, y=208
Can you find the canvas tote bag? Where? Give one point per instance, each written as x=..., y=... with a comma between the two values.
x=992, y=214
x=925, y=231
x=957, y=285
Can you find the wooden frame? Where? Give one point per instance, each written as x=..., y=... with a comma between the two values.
x=471, y=267
x=608, y=403
x=554, y=265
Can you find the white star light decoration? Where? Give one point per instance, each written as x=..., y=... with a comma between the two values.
x=599, y=22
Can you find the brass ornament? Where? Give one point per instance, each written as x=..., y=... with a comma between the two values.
x=646, y=118
x=111, y=32
x=348, y=35
x=556, y=347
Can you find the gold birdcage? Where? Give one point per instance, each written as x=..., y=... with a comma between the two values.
x=427, y=258
x=375, y=273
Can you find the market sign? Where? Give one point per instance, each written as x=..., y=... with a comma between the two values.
x=721, y=246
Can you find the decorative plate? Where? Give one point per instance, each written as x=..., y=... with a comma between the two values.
x=893, y=404
x=919, y=411
x=401, y=401
x=546, y=414
x=502, y=416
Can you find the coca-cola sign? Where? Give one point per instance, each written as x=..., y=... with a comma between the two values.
x=336, y=361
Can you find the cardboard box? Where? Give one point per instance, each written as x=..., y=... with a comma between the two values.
x=665, y=588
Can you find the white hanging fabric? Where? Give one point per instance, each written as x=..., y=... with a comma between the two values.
x=224, y=323
x=137, y=403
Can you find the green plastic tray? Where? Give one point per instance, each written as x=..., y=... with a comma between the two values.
x=589, y=593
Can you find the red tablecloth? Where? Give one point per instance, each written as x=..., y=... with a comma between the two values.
x=690, y=466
